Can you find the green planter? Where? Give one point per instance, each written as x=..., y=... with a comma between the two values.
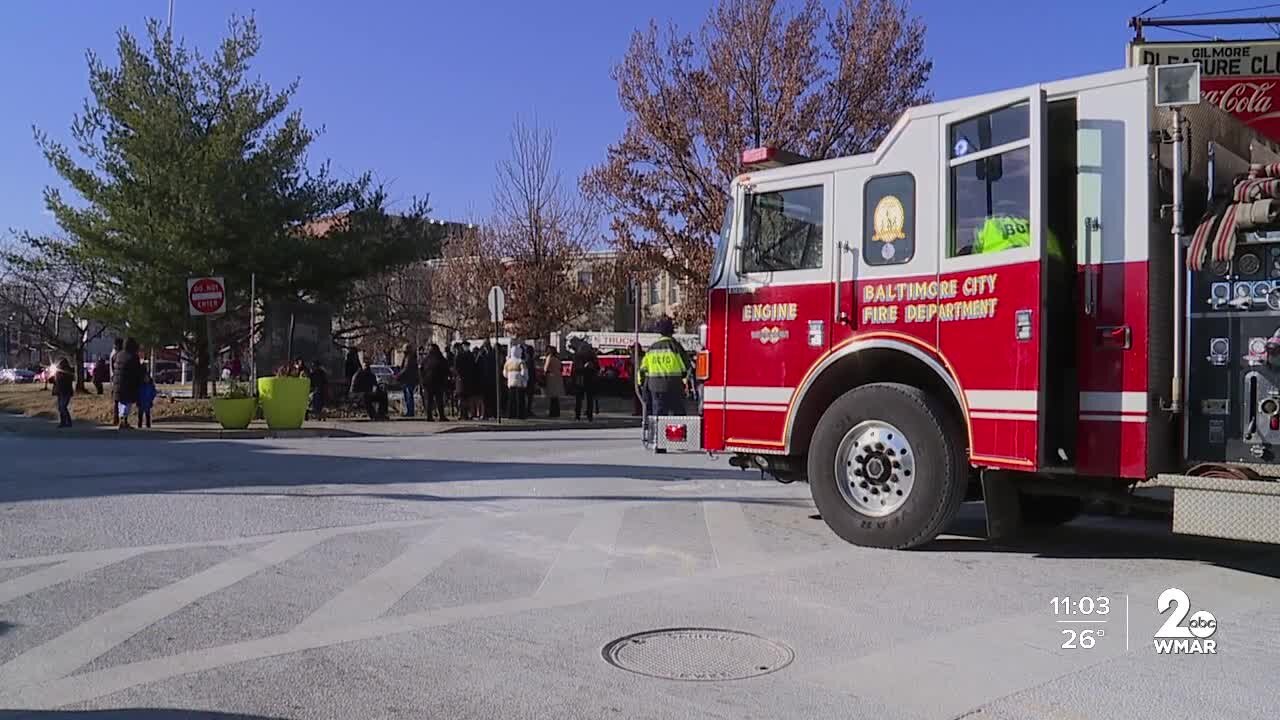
x=284, y=401
x=234, y=413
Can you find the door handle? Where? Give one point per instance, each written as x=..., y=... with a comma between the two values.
x=1115, y=336
x=842, y=316
x=1091, y=225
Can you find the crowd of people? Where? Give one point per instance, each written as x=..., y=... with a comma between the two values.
x=456, y=382
x=132, y=388
x=465, y=383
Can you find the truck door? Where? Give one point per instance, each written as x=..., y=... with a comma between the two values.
x=992, y=273
x=779, y=305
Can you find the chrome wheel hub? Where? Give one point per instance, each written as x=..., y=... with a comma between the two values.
x=875, y=468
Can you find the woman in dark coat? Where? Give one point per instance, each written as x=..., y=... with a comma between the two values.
x=63, y=389
x=126, y=380
x=435, y=381
x=463, y=379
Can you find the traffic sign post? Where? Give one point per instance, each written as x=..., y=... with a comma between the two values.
x=497, y=304
x=497, y=313
x=207, y=296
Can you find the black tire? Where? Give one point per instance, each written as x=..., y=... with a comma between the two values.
x=1046, y=511
x=941, y=466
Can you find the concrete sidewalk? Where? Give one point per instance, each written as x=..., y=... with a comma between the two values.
x=345, y=427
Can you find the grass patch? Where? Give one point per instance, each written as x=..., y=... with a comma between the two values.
x=37, y=401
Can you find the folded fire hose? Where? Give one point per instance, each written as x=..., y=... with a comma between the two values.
x=1252, y=205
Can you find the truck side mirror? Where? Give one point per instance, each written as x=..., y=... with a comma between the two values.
x=989, y=168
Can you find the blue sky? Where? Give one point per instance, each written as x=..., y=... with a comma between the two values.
x=422, y=93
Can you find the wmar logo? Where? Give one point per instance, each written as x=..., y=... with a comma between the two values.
x=1174, y=638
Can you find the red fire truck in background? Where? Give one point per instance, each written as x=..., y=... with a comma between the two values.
x=999, y=302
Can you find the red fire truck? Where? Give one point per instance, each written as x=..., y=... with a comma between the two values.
x=998, y=302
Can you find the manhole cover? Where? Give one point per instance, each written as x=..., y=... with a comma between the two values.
x=697, y=654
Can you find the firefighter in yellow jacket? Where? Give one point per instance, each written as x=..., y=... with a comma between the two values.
x=664, y=371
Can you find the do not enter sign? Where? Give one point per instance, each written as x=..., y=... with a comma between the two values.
x=206, y=296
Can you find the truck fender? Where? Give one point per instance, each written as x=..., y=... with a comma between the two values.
x=843, y=369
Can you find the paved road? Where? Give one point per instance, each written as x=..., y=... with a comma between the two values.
x=479, y=576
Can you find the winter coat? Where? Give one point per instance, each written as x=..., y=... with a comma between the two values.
x=146, y=395
x=435, y=370
x=529, y=358
x=319, y=381
x=465, y=374
x=101, y=371
x=126, y=377
x=485, y=368
x=409, y=375
x=364, y=381
x=551, y=376
x=515, y=370
x=64, y=383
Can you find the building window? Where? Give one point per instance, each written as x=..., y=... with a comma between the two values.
x=655, y=292
x=584, y=278
x=784, y=230
x=673, y=291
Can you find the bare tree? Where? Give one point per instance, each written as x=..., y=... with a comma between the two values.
x=460, y=280
x=761, y=72
x=49, y=295
x=542, y=233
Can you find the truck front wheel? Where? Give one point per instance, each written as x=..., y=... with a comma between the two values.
x=887, y=466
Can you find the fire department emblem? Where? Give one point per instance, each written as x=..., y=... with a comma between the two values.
x=770, y=335
x=888, y=220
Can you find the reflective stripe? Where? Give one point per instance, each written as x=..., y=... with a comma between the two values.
x=1114, y=418
x=664, y=359
x=1002, y=232
x=1113, y=402
x=747, y=394
x=663, y=363
x=987, y=415
x=1001, y=399
x=756, y=408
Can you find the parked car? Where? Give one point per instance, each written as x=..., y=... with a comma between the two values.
x=166, y=372
x=16, y=376
x=385, y=373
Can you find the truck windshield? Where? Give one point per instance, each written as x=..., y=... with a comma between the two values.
x=722, y=245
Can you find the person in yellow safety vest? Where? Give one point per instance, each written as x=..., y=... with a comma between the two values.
x=663, y=372
x=1004, y=232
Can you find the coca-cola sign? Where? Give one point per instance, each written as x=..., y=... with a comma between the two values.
x=1242, y=78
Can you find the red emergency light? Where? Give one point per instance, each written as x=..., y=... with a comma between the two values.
x=677, y=433
x=769, y=157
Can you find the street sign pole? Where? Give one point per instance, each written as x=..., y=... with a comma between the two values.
x=253, y=331
x=497, y=377
x=497, y=308
x=213, y=375
x=207, y=296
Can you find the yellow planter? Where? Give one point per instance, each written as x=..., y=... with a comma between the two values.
x=284, y=401
x=234, y=413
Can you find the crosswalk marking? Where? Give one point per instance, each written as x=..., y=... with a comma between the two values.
x=379, y=591
x=82, y=644
x=584, y=562
x=90, y=685
x=63, y=571
x=732, y=539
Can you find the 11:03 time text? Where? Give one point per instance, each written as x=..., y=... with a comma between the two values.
x=1067, y=605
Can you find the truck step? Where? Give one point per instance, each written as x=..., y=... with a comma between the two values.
x=1225, y=507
